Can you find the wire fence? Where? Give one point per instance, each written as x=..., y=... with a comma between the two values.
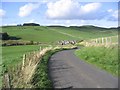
x=104, y=41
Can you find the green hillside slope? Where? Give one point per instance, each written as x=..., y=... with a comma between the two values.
x=52, y=34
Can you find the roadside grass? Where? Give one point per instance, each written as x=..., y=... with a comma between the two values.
x=41, y=77
x=24, y=76
x=12, y=56
x=102, y=57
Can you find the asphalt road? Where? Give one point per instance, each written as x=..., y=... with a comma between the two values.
x=68, y=71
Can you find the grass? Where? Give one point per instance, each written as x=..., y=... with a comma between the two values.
x=11, y=55
x=21, y=77
x=87, y=32
x=41, y=78
x=102, y=57
x=53, y=34
x=38, y=34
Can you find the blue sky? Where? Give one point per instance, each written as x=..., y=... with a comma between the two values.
x=61, y=12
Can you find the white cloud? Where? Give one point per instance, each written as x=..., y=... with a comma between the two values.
x=32, y=21
x=70, y=9
x=110, y=10
x=2, y=12
x=113, y=14
x=27, y=9
x=90, y=7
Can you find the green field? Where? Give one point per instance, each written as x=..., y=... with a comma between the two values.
x=38, y=34
x=53, y=34
x=11, y=55
x=102, y=57
x=86, y=32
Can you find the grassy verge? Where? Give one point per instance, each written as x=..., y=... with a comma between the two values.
x=102, y=57
x=12, y=57
x=41, y=78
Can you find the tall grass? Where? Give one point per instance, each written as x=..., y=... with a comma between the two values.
x=102, y=57
x=12, y=56
x=41, y=78
x=21, y=75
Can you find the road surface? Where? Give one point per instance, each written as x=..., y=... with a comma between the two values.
x=68, y=71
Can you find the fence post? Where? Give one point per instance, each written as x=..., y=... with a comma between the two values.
x=106, y=40
x=102, y=40
x=110, y=40
x=96, y=41
x=6, y=81
x=40, y=48
x=24, y=58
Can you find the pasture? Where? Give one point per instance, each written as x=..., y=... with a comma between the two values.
x=54, y=34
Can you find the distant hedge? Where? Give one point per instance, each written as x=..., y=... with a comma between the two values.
x=30, y=24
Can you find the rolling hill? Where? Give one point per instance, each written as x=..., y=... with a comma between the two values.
x=55, y=33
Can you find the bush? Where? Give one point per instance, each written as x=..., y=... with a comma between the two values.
x=4, y=36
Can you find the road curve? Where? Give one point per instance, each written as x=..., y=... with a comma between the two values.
x=68, y=71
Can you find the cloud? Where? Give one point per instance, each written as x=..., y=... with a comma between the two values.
x=32, y=21
x=113, y=15
x=27, y=9
x=71, y=9
x=2, y=12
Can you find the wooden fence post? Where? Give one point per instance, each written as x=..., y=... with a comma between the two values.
x=6, y=81
x=24, y=58
x=110, y=40
x=106, y=40
x=40, y=48
x=102, y=40
x=96, y=41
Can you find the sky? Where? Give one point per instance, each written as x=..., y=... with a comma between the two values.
x=60, y=12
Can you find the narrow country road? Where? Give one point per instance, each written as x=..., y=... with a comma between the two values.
x=68, y=71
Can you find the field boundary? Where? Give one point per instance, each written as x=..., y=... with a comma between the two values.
x=104, y=41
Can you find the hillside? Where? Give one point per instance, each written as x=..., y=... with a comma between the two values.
x=54, y=33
